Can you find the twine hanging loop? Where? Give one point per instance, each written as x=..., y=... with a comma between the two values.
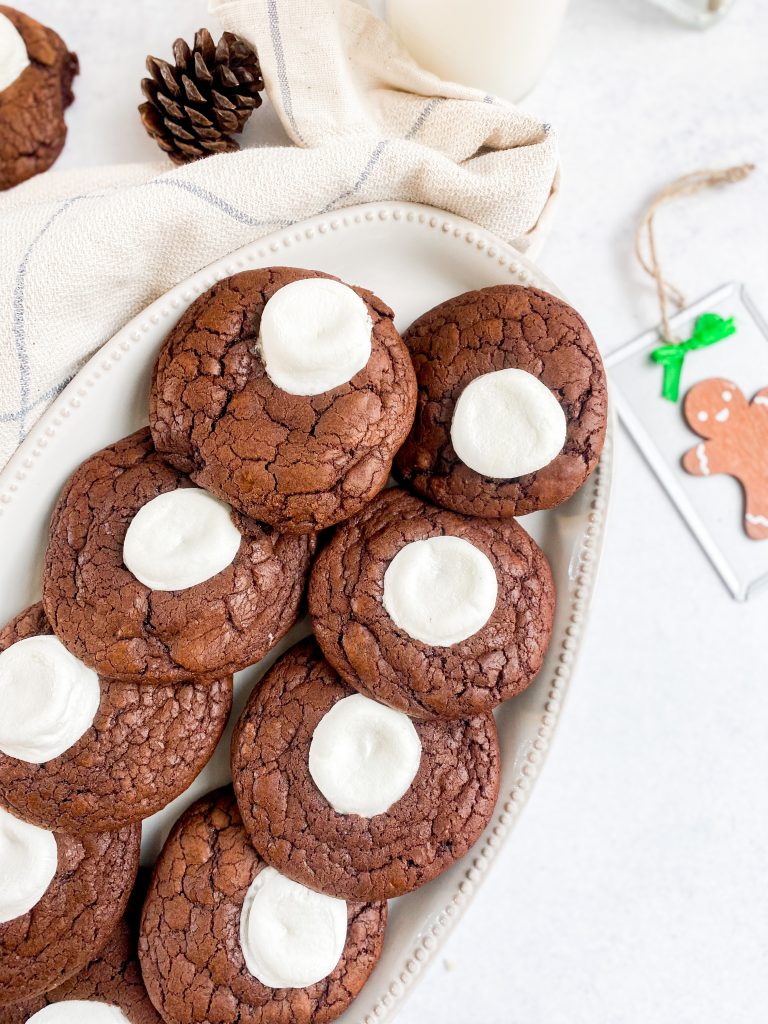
x=645, y=238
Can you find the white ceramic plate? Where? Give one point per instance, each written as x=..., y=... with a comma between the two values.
x=413, y=257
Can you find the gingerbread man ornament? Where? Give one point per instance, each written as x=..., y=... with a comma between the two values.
x=735, y=434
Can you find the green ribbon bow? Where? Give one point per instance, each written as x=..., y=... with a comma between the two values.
x=708, y=329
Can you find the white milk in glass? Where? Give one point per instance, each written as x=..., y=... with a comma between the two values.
x=499, y=46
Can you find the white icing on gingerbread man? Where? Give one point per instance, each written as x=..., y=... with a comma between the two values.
x=735, y=434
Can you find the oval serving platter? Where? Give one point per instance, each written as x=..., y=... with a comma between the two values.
x=413, y=257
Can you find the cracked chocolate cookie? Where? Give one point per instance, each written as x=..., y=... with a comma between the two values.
x=512, y=404
x=36, y=73
x=81, y=753
x=148, y=578
x=286, y=393
x=111, y=983
x=61, y=897
x=432, y=612
x=350, y=797
x=226, y=939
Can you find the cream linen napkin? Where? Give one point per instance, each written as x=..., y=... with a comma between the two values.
x=82, y=252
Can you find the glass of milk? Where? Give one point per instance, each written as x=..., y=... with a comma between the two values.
x=499, y=46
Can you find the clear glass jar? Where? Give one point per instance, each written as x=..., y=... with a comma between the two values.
x=699, y=13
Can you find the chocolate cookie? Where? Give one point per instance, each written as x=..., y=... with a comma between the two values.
x=287, y=394
x=512, y=404
x=61, y=897
x=118, y=506
x=112, y=978
x=350, y=797
x=35, y=89
x=126, y=749
x=216, y=919
x=448, y=626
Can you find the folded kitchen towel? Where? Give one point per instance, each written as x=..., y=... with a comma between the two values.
x=83, y=252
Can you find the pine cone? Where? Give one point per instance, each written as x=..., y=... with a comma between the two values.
x=193, y=108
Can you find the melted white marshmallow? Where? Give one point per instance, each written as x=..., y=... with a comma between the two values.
x=315, y=335
x=291, y=937
x=440, y=590
x=13, y=53
x=28, y=862
x=506, y=424
x=179, y=539
x=363, y=756
x=79, y=1011
x=48, y=699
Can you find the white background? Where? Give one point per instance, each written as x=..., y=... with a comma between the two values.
x=635, y=888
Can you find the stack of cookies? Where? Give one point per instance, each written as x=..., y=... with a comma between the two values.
x=366, y=761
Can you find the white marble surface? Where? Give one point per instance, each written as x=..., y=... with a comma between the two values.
x=634, y=889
